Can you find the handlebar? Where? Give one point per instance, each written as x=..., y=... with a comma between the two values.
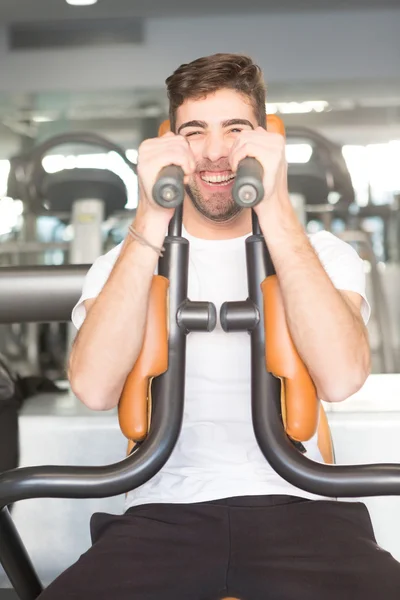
x=168, y=190
x=248, y=189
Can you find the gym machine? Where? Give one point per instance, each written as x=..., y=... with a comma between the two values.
x=285, y=409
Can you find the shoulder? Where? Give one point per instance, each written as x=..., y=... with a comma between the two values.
x=109, y=258
x=104, y=264
x=331, y=248
x=343, y=265
x=94, y=281
x=101, y=268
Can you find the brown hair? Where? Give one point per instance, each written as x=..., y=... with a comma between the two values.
x=209, y=74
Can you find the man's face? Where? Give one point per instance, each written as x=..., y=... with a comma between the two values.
x=211, y=125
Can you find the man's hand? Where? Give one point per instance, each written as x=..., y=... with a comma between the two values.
x=155, y=154
x=269, y=150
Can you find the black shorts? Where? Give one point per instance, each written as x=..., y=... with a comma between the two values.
x=251, y=548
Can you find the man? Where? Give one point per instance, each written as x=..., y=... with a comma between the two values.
x=217, y=521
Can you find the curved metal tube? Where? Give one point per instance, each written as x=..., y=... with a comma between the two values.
x=332, y=156
x=147, y=458
x=101, y=482
x=317, y=478
x=76, y=137
x=167, y=411
x=282, y=455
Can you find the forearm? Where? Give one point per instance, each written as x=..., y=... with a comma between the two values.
x=328, y=334
x=111, y=337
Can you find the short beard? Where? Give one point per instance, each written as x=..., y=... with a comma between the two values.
x=216, y=208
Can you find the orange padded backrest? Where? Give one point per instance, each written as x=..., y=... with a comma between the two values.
x=274, y=125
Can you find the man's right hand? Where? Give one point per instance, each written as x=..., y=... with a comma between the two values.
x=155, y=154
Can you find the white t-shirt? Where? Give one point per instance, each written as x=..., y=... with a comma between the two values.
x=217, y=455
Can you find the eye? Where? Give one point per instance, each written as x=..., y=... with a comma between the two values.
x=193, y=133
x=235, y=130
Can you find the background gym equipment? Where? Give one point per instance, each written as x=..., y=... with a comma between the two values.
x=84, y=199
x=328, y=202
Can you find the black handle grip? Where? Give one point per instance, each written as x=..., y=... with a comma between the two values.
x=168, y=190
x=248, y=189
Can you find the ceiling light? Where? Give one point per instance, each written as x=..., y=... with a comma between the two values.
x=291, y=108
x=298, y=153
x=42, y=119
x=81, y=2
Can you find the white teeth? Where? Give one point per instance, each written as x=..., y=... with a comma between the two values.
x=218, y=178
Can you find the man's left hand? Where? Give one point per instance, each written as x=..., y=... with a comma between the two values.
x=269, y=149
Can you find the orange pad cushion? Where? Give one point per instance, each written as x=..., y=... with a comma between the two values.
x=300, y=405
x=133, y=409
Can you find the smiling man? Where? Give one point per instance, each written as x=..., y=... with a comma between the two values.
x=216, y=520
x=211, y=186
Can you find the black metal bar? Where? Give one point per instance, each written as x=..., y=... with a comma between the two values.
x=255, y=223
x=197, y=316
x=140, y=466
x=279, y=451
x=326, y=480
x=168, y=395
x=175, y=225
x=264, y=387
x=239, y=316
x=105, y=481
x=174, y=265
x=40, y=293
x=15, y=560
x=168, y=399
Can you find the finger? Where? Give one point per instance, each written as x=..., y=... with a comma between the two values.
x=179, y=157
x=169, y=154
x=246, y=150
x=182, y=157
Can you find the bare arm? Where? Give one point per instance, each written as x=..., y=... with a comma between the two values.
x=111, y=337
x=325, y=323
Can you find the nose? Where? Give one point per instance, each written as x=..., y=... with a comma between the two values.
x=215, y=147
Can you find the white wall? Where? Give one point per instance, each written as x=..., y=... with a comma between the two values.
x=291, y=48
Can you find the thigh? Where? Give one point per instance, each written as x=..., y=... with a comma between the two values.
x=309, y=551
x=167, y=552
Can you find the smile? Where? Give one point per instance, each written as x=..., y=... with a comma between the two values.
x=218, y=179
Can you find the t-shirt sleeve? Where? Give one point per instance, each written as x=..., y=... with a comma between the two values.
x=94, y=282
x=343, y=265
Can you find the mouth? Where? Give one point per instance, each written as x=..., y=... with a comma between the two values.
x=223, y=179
